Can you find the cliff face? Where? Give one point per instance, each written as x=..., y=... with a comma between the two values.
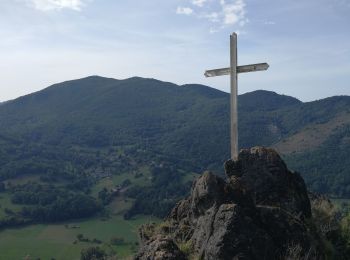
x=261, y=211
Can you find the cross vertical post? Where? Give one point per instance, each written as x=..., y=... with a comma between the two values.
x=234, y=93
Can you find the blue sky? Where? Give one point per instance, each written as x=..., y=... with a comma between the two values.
x=306, y=43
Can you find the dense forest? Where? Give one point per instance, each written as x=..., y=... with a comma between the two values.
x=74, y=134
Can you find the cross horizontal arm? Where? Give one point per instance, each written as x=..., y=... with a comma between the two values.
x=240, y=69
x=217, y=72
x=252, y=67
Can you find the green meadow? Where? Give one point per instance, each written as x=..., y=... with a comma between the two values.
x=59, y=241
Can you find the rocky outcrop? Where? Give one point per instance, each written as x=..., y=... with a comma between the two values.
x=265, y=176
x=160, y=248
x=260, y=212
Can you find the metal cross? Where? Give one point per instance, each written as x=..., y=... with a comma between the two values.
x=233, y=71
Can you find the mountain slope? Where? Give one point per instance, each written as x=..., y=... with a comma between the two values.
x=146, y=112
x=186, y=125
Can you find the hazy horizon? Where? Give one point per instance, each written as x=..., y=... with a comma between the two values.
x=4, y=101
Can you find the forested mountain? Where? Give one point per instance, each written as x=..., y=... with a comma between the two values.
x=85, y=129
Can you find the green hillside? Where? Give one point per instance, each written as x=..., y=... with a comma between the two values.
x=73, y=135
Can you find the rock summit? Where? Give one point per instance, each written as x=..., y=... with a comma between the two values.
x=260, y=211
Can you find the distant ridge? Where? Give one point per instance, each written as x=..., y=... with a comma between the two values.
x=266, y=100
x=188, y=123
x=205, y=90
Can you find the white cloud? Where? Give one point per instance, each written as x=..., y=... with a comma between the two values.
x=213, y=30
x=184, y=10
x=49, y=5
x=199, y=3
x=223, y=13
x=233, y=12
x=213, y=17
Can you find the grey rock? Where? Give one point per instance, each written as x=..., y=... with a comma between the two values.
x=262, y=173
x=257, y=213
x=160, y=248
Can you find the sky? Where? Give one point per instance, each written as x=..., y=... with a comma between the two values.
x=306, y=43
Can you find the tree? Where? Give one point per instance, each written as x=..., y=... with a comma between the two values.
x=80, y=237
x=117, y=241
x=93, y=253
x=2, y=187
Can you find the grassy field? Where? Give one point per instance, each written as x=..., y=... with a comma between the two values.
x=57, y=241
x=114, y=180
x=5, y=203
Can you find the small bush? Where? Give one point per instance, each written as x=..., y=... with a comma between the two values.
x=93, y=253
x=117, y=241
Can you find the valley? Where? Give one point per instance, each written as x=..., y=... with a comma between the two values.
x=106, y=154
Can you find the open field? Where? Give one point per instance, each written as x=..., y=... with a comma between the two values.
x=114, y=180
x=5, y=203
x=57, y=240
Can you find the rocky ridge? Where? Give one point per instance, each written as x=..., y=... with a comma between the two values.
x=262, y=211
